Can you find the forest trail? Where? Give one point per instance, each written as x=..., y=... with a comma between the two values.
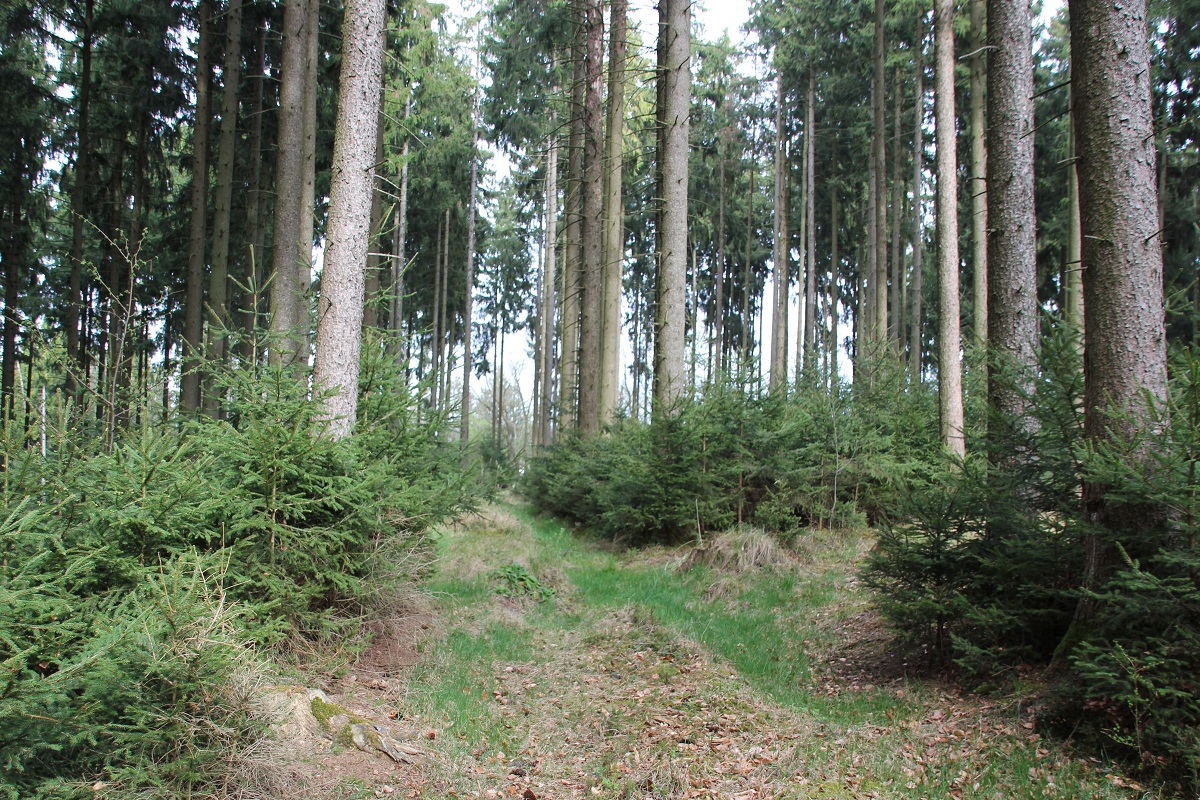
x=552, y=666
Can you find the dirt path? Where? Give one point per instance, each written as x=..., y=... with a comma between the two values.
x=556, y=669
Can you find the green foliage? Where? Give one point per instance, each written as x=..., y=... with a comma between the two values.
x=780, y=463
x=517, y=581
x=983, y=563
x=137, y=576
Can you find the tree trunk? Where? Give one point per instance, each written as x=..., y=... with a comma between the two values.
x=981, y=143
x=879, y=113
x=400, y=246
x=304, y=260
x=592, y=228
x=375, y=251
x=722, y=263
x=193, y=316
x=895, y=263
x=834, y=259
x=339, y=328
x=674, y=37
x=918, y=232
x=79, y=193
x=781, y=254
x=254, y=276
x=810, y=215
x=1011, y=259
x=218, y=305
x=469, y=288
x=568, y=407
x=1074, y=244
x=286, y=249
x=614, y=219
x=950, y=395
x=549, y=281
x=1125, y=350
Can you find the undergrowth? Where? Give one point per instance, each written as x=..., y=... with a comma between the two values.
x=150, y=573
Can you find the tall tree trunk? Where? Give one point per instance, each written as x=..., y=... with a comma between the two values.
x=810, y=216
x=339, y=327
x=722, y=264
x=568, y=404
x=308, y=186
x=674, y=37
x=614, y=216
x=218, y=305
x=549, y=281
x=834, y=266
x=1125, y=368
x=375, y=251
x=879, y=114
x=868, y=281
x=469, y=287
x=254, y=276
x=895, y=263
x=445, y=335
x=918, y=232
x=287, y=252
x=950, y=395
x=435, y=333
x=193, y=316
x=1011, y=259
x=10, y=258
x=982, y=139
x=592, y=227
x=1074, y=244
x=400, y=246
x=781, y=248
x=79, y=193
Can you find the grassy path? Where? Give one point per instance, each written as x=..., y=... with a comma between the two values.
x=634, y=678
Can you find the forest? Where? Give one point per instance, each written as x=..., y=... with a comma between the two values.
x=833, y=380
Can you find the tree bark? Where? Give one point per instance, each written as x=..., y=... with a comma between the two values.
x=1011, y=259
x=674, y=37
x=251, y=301
x=549, y=281
x=79, y=193
x=218, y=306
x=287, y=253
x=1074, y=244
x=339, y=326
x=592, y=227
x=918, y=232
x=810, y=215
x=895, y=263
x=982, y=140
x=781, y=254
x=375, y=251
x=400, y=246
x=568, y=406
x=469, y=290
x=193, y=316
x=614, y=218
x=879, y=114
x=1125, y=346
x=950, y=395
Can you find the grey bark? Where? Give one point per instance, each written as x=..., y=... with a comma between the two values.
x=339, y=313
x=810, y=216
x=469, y=301
x=781, y=254
x=614, y=216
x=549, y=281
x=286, y=293
x=193, y=314
x=950, y=395
x=253, y=277
x=1012, y=311
x=879, y=115
x=981, y=141
x=670, y=375
x=568, y=408
x=592, y=223
x=1125, y=345
x=218, y=305
x=918, y=232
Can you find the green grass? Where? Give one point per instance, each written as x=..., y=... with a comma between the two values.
x=584, y=680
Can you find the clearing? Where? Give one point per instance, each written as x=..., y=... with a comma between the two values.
x=553, y=666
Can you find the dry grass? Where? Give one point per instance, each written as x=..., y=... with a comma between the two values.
x=740, y=550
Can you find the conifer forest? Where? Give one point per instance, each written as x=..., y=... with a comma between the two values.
x=588, y=398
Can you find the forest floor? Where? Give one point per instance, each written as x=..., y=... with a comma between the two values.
x=547, y=665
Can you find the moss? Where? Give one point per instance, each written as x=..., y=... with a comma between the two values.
x=325, y=711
